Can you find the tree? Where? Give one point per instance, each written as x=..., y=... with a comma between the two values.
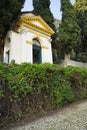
x=81, y=10
x=45, y=3
x=69, y=31
x=42, y=8
x=80, y=5
x=9, y=10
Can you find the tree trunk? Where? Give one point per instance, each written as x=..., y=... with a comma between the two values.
x=67, y=57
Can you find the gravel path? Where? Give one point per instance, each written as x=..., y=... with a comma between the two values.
x=73, y=117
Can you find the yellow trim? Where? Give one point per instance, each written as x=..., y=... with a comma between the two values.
x=37, y=18
x=37, y=37
x=38, y=34
x=35, y=32
x=37, y=28
x=28, y=21
x=44, y=47
x=28, y=42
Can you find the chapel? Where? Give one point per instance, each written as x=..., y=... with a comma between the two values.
x=29, y=41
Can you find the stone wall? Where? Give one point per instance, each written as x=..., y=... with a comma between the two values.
x=73, y=63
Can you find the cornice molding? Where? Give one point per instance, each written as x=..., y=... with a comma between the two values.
x=30, y=42
x=38, y=34
x=27, y=21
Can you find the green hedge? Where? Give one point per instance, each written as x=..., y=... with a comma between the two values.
x=35, y=85
x=57, y=81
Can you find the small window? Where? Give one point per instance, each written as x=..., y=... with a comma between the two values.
x=7, y=56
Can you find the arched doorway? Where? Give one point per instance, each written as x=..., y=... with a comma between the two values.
x=37, y=58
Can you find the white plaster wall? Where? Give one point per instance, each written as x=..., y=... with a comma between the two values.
x=22, y=51
x=14, y=46
x=50, y=51
x=29, y=53
x=26, y=49
x=29, y=49
x=23, y=47
x=46, y=53
x=15, y=49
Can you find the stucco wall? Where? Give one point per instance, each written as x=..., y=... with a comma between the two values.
x=47, y=52
x=16, y=50
x=21, y=49
x=45, y=43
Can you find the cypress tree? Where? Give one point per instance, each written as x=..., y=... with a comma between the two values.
x=9, y=10
x=42, y=8
x=81, y=10
x=69, y=31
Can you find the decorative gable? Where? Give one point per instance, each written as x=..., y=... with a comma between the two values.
x=36, y=23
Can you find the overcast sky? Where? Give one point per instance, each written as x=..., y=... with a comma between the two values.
x=55, y=7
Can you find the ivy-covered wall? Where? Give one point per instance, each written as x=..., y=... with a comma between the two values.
x=28, y=89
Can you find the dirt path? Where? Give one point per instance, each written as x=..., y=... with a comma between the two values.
x=73, y=117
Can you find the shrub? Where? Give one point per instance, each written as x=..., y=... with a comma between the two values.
x=82, y=57
x=56, y=81
x=35, y=87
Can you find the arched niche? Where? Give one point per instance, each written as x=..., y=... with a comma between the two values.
x=37, y=57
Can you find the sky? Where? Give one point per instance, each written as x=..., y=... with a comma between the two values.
x=55, y=7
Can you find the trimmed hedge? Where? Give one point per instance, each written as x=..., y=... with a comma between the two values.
x=29, y=88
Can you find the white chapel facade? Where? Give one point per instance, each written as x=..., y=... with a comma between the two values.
x=29, y=42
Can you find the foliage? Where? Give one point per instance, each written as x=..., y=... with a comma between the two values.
x=82, y=57
x=9, y=10
x=80, y=5
x=69, y=31
x=61, y=91
x=16, y=82
x=42, y=8
x=39, y=87
x=27, y=78
x=73, y=55
x=81, y=10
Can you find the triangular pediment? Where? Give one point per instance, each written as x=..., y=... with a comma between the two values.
x=36, y=22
